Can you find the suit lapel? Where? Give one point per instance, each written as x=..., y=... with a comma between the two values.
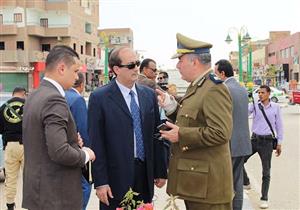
x=118, y=98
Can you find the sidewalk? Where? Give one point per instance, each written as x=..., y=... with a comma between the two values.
x=160, y=198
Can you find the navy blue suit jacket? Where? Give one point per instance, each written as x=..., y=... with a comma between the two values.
x=112, y=136
x=78, y=109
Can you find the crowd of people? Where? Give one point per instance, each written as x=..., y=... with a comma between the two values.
x=200, y=148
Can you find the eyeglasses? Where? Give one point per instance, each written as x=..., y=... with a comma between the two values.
x=131, y=65
x=159, y=78
x=154, y=70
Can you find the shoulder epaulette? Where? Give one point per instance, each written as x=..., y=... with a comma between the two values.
x=215, y=79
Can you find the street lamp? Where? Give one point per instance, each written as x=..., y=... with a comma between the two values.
x=105, y=40
x=243, y=37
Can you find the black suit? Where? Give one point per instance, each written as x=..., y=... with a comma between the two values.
x=112, y=136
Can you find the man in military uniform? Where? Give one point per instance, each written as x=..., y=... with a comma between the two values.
x=11, y=114
x=200, y=170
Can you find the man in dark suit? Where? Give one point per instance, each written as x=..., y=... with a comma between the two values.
x=240, y=145
x=53, y=158
x=78, y=109
x=122, y=119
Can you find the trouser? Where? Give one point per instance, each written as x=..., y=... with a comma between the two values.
x=264, y=148
x=86, y=192
x=14, y=161
x=204, y=206
x=237, y=167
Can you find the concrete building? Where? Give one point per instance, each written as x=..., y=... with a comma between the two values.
x=111, y=38
x=29, y=29
x=283, y=54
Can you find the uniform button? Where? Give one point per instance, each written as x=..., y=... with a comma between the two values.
x=180, y=106
x=192, y=168
x=186, y=147
x=186, y=115
x=176, y=121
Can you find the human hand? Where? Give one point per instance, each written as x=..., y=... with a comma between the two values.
x=161, y=97
x=91, y=153
x=80, y=140
x=278, y=150
x=160, y=182
x=103, y=192
x=173, y=134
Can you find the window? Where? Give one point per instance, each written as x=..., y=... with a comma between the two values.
x=1, y=19
x=88, y=28
x=44, y=22
x=2, y=45
x=81, y=49
x=46, y=47
x=20, y=45
x=94, y=52
x=286, y=52
x=18, y=17
x=74, y=46
x=292, y=51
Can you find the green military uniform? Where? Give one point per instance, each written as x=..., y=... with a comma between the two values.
x=200, y=168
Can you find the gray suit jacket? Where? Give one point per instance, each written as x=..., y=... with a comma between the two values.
x=53, y=160
x=240, y=140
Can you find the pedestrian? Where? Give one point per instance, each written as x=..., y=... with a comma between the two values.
x=200, y=169
x=148, y=73
x=78, y=109
x=11, y=114
x=262, y=138
x=240, y=145
x=122, y=119
x=52, y=153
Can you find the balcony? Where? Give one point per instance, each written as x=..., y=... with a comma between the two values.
x=10, y=29
x=36, y=4
x=57, y=5
x=37, y=56
x=36, y=30
x=13, y=56
x=50, y=31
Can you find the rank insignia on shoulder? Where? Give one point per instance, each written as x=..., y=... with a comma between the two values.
x=201, y=81
x=215, y=79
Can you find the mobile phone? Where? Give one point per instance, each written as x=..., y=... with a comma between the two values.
x=163, y=127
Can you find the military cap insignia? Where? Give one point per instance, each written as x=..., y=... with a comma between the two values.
x=215, y=79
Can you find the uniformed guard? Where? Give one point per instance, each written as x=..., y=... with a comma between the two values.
x=200, y=170
x=11, y=113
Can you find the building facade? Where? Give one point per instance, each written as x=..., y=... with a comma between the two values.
x=30, y=29
x=109, y=39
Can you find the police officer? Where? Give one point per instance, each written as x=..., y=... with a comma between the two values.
x=200, y=170
x=11, y=114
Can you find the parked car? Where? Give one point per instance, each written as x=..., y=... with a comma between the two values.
x=3, y=98
x=294, y=97
x=277, y=96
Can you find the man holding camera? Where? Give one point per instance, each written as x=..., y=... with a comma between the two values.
x=262, y=137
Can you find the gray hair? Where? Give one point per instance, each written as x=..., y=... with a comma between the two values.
x=204, y=58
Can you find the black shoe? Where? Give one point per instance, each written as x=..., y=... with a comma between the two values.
x=10, y=206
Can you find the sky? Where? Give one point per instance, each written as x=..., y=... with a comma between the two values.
x=156, y=22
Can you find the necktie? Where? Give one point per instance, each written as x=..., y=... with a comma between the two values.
x=137, y=125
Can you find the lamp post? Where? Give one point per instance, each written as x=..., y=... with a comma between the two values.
x=105, y=39
x=243, y=37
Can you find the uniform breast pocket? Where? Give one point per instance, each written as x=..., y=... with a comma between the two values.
x=192, y=178
x=188, y=117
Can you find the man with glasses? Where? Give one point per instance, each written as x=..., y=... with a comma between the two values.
x=11, y=114
x=148, y=73
x=122, y=119
x=163, y=80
